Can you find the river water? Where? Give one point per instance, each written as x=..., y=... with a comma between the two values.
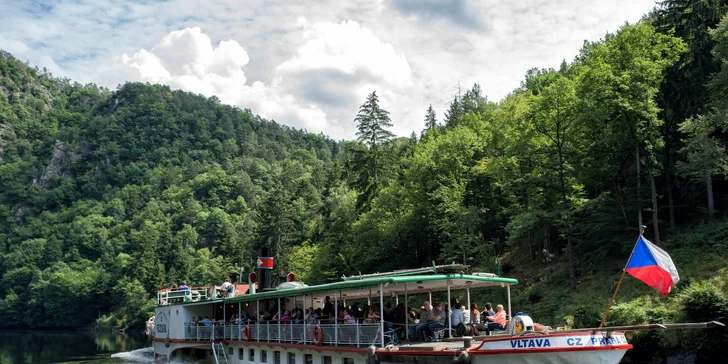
x=26, y=347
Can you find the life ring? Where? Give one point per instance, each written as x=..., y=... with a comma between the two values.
x=317, y=335
x=246, y=333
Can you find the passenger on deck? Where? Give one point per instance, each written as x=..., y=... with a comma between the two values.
x=174, y=287
x=296, y=316
x=193, y=322
x=226, y=289
x=388, y=309
x=342, y=313
x=356, y=311
x=311, y=316
x=183, y=286
x=466, y=314
x=488, y=311
x=286, y=318
x=437, y=321
x=497, y=321
x=425, y=319
x=206, y=321
x=457, y=315
x=372, y=316
x=328, y=309
x=474, y=314
x=349, y=318
x=261, y=316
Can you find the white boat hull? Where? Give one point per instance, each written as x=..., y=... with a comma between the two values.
x=564, y=348
x=573, y=357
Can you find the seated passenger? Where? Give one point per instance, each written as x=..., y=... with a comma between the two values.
x=437, y=321
x=349, y=319
x=206, y=321
x=457, y=315
x=497, y=321
x=342, y=314
x=474, y=314
x=183, y=286
x=488, y=310
x=372, y=316
x=426, y=315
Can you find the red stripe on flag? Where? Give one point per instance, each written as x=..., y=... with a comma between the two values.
x=654, y=276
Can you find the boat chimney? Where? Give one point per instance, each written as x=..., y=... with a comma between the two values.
x=265, y=266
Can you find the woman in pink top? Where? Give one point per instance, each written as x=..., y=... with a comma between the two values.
x=497, y=321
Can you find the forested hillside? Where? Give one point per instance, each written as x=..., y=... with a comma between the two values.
x=108, y=195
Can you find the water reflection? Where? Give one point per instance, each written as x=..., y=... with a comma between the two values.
x=21, y=347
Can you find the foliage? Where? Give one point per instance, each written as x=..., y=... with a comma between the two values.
x=107, y=196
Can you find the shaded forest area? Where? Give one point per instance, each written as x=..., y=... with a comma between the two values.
x=108, y=195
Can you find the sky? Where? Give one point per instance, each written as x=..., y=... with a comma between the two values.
x=311, y=64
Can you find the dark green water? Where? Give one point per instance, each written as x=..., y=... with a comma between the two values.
x=25, y=347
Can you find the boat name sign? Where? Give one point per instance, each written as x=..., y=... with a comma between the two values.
x=555, y=342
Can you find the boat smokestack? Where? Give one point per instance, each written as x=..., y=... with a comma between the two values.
x=265, y=266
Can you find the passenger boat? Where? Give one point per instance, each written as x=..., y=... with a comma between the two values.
x=331, y=341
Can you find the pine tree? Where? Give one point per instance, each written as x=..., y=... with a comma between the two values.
x=430, y=123
x=454, y=114
x=373, y=131
x=373, y=123
x=430, y=119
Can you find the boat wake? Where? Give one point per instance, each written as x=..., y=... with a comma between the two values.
x=144, y=355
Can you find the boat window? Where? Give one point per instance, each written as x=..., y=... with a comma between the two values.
x=326, y=360
x=251, y=354
x=309, y=359
x=240, y=354
x=263, y=356
x=277, y=357
x=230, y=350
x=292, y=358
x=348, y=361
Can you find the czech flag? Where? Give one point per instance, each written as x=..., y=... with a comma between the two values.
x=652, y=265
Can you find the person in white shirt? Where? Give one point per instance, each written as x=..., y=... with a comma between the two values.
x=466, y=314
x=457, y=315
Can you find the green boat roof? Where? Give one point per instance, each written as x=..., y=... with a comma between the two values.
x=392, y=285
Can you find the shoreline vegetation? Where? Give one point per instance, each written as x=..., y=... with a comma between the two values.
x=108, y=195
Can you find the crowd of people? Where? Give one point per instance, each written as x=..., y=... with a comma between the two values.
x=423, y=321
x=427, y=319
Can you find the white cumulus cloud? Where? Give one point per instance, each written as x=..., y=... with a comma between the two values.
x=186, y=59
x=319, y=88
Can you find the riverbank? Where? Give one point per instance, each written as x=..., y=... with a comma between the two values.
x=700, y=254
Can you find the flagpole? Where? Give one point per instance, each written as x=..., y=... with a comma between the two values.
x=624, y=271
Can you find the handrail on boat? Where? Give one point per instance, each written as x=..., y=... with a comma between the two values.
x=354, y=334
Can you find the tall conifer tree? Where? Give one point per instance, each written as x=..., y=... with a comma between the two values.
x=373, y=125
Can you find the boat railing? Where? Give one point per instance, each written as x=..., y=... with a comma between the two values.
x=332, y=334
x=194, y=294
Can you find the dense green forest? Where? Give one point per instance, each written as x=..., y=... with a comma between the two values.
x=106, y=196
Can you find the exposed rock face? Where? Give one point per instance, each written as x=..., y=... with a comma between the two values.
x=57, y=167
x=3, y=127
